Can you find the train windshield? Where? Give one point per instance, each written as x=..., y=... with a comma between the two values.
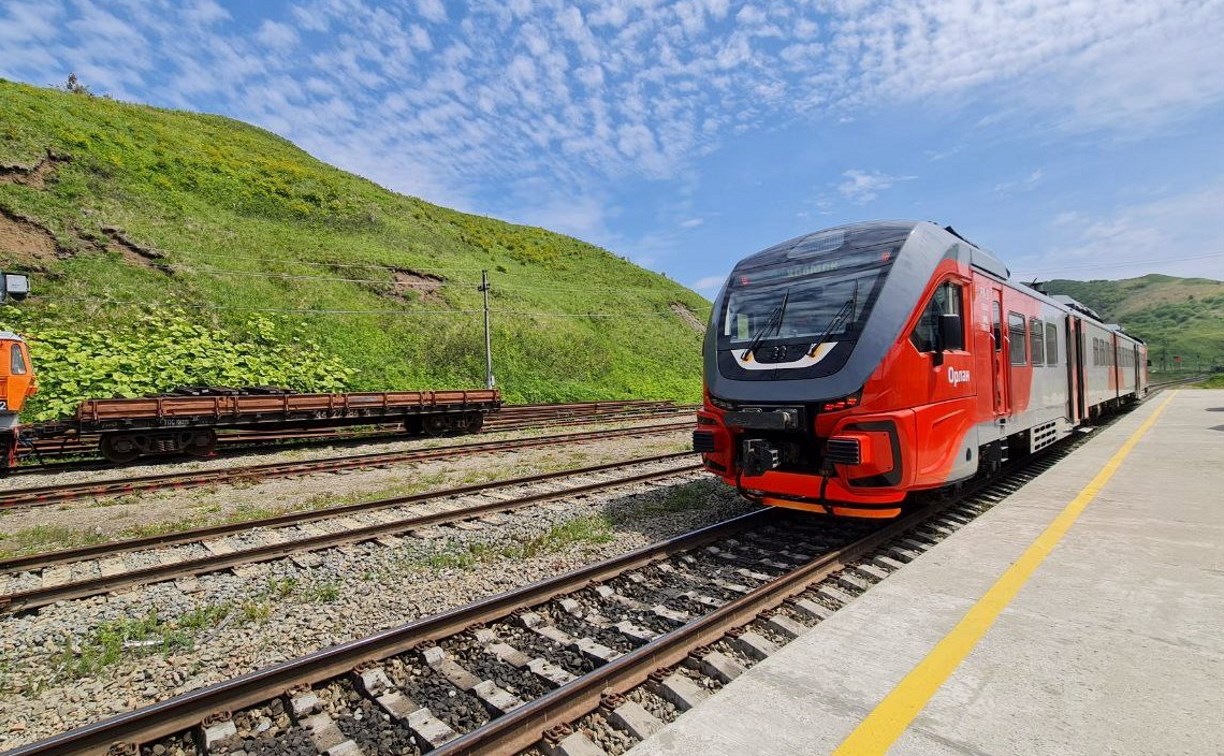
x=825, y=290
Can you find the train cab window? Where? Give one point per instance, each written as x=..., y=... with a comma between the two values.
x=18, y=365
x=1051, y=344
x=1016, y=338
x=945, y=301
x=1036, y=342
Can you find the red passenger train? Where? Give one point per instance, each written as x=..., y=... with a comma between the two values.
x=846, y=368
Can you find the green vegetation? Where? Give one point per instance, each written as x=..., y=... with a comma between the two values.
x=163, y=350
x=594, y=529
x=151, y=225
x=1214, y=382
x=138, y=636
x=1177, y=317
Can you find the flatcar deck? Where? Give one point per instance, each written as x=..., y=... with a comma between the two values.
x=1080, y=615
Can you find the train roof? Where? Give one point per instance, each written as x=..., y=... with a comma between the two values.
x=866, y=234
x=1063, y=299
x=10, y=336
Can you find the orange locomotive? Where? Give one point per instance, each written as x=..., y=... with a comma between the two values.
x=17, y=384
x=847, y=368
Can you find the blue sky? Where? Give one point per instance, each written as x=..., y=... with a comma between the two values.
x=1076, y=138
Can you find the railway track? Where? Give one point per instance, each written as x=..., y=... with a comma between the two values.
x=35, y=496
x=605, y=653
x=514, y=417
x=42, y=579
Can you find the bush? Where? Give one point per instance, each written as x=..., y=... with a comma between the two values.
x=160, y=351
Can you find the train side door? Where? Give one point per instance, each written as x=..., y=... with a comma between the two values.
x=998, y=362
x=1077, y=336
x=1074, y=413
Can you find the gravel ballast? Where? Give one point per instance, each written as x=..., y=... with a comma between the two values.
x=283, y=610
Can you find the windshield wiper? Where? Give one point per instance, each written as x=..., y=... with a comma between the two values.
x=847, y=309
x=774, y=321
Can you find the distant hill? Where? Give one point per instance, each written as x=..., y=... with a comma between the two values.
x=1175, y=316
x=168, y=247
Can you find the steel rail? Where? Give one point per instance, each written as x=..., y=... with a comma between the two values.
x=189, y=709
x=42, y=596
x=47, y=559
x=509, y=418
x=524, y=726
x=37, y=496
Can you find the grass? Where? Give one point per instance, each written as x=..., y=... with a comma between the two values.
x=245, y=219
x=592, y=530
x=682, y=498
x=324, y=593
x=138, y=636
x=41, y=538
x=1177, y=317
x=44, y=538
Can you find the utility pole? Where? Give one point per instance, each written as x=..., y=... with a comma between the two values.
x=484, y=288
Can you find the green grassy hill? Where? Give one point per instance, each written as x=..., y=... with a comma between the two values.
x=1175, y=316
x=168, y=248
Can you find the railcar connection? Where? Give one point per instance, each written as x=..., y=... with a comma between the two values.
x=850, y=367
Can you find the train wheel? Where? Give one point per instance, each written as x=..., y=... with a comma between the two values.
x=119, y=448
x=202, y=443
x=474, y=422
x=435, y=425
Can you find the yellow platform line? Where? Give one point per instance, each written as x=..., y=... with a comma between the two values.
x=882, y=727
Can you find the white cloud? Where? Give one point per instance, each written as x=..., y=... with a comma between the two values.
x=442, y=99
x=1026, y=184
x=691, y=223
x=432, y=10
x=1178, y=234
x=276, y=35
x=709, y=285
x=862, y=187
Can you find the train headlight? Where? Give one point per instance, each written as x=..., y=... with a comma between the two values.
x=846, y=402
x=721, y=403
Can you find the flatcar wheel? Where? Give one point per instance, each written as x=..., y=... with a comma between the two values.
x=202, y=443
x=119, y=448
x=474, y=422
x=435, y=425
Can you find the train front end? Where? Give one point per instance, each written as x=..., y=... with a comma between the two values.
x=17, y=384
x=794, y=412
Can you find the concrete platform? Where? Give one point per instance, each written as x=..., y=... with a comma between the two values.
x=1115, y=644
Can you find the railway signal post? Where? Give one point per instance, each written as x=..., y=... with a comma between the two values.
x=484, y=288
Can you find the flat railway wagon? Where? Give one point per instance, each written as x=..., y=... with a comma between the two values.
x=130, y=428
x=848, y=368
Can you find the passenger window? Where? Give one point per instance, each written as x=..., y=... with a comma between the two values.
x=1015, y=337
x=945, y=301
x=18, y=365
x=1051, y=344
x=1037, y=342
